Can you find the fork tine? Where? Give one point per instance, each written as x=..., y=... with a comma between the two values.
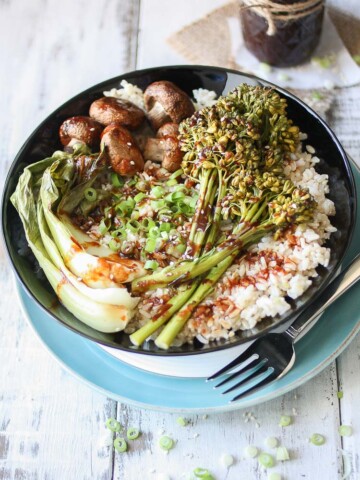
x=244, y=381
x=242, y=370
x=269, y=379
x=248, y=353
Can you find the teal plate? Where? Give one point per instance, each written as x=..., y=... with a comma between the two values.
x=124, y=383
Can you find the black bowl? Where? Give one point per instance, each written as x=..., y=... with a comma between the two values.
x=44, y=140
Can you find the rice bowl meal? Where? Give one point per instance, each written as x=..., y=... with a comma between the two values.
x=174, y=219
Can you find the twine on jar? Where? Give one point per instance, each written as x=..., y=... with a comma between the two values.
x=273, y=11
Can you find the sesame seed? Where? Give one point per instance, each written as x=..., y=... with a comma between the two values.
x=92, y=129
x=132, y=162
x=129, y=144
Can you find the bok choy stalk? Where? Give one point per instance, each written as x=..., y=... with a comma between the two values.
x=105, y=309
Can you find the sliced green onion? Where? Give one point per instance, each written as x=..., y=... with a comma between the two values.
x=180, y=248
x=181, y=421
x=266, y=460
x=356, y=59
x=103, y=228
x=340, y=395
x=171, y=182
x=285, y=421
x=113, y=425
x=148, y=223
x=203, y=473
x=150, y=245
x=274, y=476
x=132, y=433
x=154, y=232
x=177, y=196
x=157, y=204
x=157, y=192
x=166, y=443
x=116, y=181
x=139, y=197
x=317, y=439
x=114, y=245
x=120, y=444
x=90, y=194
x=251, y=451
x=151, y=265
x=271, y=442
x=227, y=460
x=176, y=174
x=345, y=430
x=282, y=454
x=165, y=227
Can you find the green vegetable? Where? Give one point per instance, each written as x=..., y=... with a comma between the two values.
x=116, y=180
x=345, y=430
x=271, y=442
x=266, y=460
x=274, y=476
x=202, y=473
x=356, y=59
x=324, y=62
x=120, y=445
x=181, y=421
x=113, y=425
x=282, y=454
x=251, y=451
x=56, y=245
x=166, y=443
x=285, y=421
x=132, y=433
x=317, y=439
x=340, y=395
x=157, y=192
x=90, y=194
x=151, y=265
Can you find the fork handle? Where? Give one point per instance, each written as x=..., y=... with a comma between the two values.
x=339, y=285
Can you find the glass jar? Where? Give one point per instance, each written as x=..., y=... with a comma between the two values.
x=293, y=41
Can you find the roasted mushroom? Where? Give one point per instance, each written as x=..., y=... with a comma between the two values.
x=165, y=102
x=122, y=151
x=165, y=148
x=171, y=129
x=83, y=129
x=107, y=110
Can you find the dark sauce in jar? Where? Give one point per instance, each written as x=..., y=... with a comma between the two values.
x=293, y=42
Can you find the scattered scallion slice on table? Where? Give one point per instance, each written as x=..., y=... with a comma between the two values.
x=282, y=454
x=113, y=425
x=266, y=460
x=345, y=430
x=285, y=421
x=166, y=443
x=120, y=445
x=132, y=433
x=251, y=451
x=202, y=473
x=317, y=439
x=271, y=442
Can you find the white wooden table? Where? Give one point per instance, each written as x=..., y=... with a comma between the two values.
x=50, y=423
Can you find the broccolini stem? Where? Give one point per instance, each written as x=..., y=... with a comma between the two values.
x=173, y=305
x=178, y=321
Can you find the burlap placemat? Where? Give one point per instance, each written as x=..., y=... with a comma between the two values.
x=207, y=42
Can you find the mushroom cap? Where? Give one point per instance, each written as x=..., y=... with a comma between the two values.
x=122, y=151
x=107, y=110
x=175, y=103
x=81, y=128
x=172, y=154
x=169, y=128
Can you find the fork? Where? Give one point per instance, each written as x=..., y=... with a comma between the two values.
x=271, y=357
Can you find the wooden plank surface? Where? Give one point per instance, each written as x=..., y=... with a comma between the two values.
x=52, y=426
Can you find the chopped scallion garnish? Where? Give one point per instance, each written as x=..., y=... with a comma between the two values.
x=266, y=460
x=150, y=245
x=90, y=194
x=166, y=443
x=274, y=476
x=151, y=265
x=203, y=473
x=157, y=192
x=120, y=444
x=181, y=421
x=285, y=421
x=251, y=451
x=113, y=425
x=132, y=433
x=271, y=442
x=282, y=454
x=345, y=430
x=317, y=439
x=116, y=180
x=140, y=196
